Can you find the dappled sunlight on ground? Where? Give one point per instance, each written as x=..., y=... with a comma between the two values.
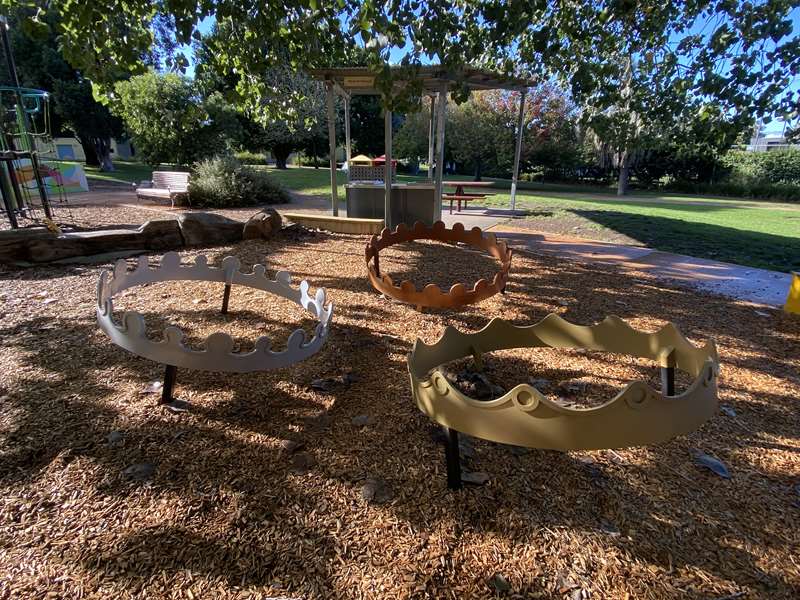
x=229, y=509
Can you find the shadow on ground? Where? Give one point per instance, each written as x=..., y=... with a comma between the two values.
x=229, y=505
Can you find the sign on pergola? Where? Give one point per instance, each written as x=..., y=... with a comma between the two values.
x=436, y=82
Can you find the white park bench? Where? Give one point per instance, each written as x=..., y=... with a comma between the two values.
x=166, y=185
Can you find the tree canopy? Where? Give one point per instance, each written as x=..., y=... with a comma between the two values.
x=41, y=65
x=170, y=123
x=740, y=52
x=635, y=69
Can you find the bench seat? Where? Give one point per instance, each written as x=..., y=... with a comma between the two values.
x=167, y=185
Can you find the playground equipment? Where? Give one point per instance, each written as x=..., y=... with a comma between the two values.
x=24, y=134
x=431, y=295
x=219, y=354
x=638, y=415
x=792, y=304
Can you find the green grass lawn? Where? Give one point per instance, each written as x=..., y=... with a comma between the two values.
x=748, y=232
x=743, y=231
x=124, y=172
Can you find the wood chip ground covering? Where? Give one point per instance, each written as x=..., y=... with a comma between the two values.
x=105, y=495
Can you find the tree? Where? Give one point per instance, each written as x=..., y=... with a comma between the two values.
x=738, y=54
x=366, y=125
x=41, y=65
x=480, y=137
x=170, y=122
x=641, y=69
x=411, y=139
x=303, y=125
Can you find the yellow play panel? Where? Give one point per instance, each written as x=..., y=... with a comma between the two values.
x=793, y=299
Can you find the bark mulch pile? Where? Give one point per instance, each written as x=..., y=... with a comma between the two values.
x=325, y=481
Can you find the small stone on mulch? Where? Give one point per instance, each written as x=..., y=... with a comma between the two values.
x=302, y=462
x=139, y=471
x=363, y=421
x=115, y=438
x=474, y=477
x=292, y=446
x=376, y=491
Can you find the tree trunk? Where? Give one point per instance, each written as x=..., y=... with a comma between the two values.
x=103, y=151
x=624, y=174
x=89, y=152
x=314, y=152
x=478, y=169
x=281, y=156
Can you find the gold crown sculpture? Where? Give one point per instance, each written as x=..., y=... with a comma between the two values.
x=218, y=354
x=638, y=415
x=431, y=296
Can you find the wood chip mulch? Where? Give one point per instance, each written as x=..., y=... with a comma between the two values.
x=325, y=481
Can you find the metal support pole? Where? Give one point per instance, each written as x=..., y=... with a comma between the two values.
x=170, y=374
x=668, y=373
x=453, y=460
x=387, y=169
x=226, y=296
x=40, y=184
x=12, y=178
x=440, y=150
x=518, y=151
x=7, y=202
x=347, y=129
x=431, y=137
x=12, y=68
x=668, y=381
x=332, y=139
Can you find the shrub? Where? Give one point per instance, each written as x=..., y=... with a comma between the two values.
x=778, y=166
x=223, y=182
x=785, y=192
x=251, y=158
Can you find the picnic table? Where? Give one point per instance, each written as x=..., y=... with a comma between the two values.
x=461, y=196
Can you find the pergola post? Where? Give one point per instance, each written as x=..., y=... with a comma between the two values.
x=332, y=139
x=431, y=136
x=442, y=108
x=387, y=173
x=518, y=151
x=347, y=128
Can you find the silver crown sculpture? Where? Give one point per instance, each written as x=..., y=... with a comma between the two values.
x=218, y=353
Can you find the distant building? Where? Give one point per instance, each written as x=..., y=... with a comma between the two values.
x=69, y=148
x=769, y=142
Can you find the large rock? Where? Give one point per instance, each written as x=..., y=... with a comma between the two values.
x=262, y=225
x=206, y=229
x=25, y=246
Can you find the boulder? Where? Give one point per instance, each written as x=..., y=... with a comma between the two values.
x=207, y=229
x=262, y=225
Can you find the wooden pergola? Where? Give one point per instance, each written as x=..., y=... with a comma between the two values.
x=436, y=82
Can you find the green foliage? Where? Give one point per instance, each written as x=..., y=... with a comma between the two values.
x=223, y=182
x=784, y=192
x=367, y=125
x=757, y=168
x=169, y=123
x=251, y=158
x=303, y=126
x=638, y=70
x=411, y=139
x=481, y=138
x=74, y=109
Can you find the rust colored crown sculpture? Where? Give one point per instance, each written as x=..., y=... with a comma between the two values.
x=431, y=295
x=638, y=415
